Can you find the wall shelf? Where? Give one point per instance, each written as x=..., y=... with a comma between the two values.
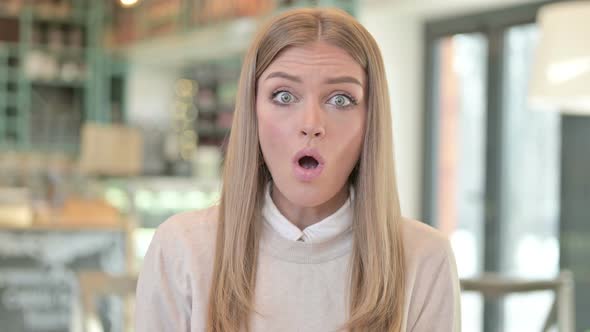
x=65, y=51
x=213, y=132
x=75, y=19
x=52, y=57
x=8, y=16
x=59, y=83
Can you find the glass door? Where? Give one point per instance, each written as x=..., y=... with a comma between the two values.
x=530, y=185
x=459, y=167
x=492, y=164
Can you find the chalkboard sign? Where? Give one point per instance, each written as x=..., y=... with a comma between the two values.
x=38, y=286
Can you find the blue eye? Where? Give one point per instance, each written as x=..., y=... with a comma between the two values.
x=341, y=101
x=283, y=97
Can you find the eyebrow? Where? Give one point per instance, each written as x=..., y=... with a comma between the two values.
x=335, y=80
x=343, y=79
x=284, y=75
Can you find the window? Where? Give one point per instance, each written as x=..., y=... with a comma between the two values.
x=492, y=167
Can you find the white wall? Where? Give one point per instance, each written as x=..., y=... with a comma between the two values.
x=397, y=25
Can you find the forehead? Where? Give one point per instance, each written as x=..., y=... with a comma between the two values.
x=319, y=58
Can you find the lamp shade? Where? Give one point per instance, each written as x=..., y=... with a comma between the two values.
x=561, y=70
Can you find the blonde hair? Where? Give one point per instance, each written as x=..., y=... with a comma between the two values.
x=377, y=263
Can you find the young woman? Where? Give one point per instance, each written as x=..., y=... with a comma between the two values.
x=308, y=235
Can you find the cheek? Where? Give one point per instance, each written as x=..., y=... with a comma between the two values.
x=271, y=135
x=357, y=144
x=351, y=137
x=352, y=130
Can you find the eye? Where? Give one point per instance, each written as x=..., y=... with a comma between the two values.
x=342, y=101
x=283, y=97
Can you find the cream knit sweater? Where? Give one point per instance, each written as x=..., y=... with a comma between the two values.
x=300, y=286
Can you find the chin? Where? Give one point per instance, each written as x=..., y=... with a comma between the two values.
x=306, y=194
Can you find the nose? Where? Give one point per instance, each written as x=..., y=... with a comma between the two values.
x=312, y=125
x=315, y=131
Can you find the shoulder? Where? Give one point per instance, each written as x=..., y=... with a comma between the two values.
x=432, y=284
x=190, y=222
x=176, y=269
x=424, y=243
x=191, y=231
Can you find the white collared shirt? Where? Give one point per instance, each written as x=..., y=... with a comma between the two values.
x=325, y=229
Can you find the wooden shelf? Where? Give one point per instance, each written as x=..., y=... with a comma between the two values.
x=64, y=227
x=207, y=111
x=58, y=83
x=213, y=132
x=4, y=15
x=64, y=51
x=77, y=19
x=79, y=26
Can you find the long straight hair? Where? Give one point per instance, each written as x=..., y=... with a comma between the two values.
x=377, y=259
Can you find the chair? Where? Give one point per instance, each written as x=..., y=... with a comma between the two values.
x=562, y=311
x=93, y=285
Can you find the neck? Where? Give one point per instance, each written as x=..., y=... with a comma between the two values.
x=302, y=216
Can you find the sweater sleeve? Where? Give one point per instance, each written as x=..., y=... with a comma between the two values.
x=163, y=295
x=440, y=310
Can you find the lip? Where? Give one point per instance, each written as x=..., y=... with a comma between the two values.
x=307, y=175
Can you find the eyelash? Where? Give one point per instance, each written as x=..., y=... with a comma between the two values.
x=353, y=101
x=276, y=93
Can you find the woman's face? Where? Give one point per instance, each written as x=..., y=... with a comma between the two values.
x=311, y=111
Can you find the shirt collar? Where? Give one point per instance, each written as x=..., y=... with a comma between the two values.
x=325, y=229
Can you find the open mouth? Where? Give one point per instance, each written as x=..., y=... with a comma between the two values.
x=308, y=162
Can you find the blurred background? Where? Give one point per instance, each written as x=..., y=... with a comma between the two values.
x=114, y=115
